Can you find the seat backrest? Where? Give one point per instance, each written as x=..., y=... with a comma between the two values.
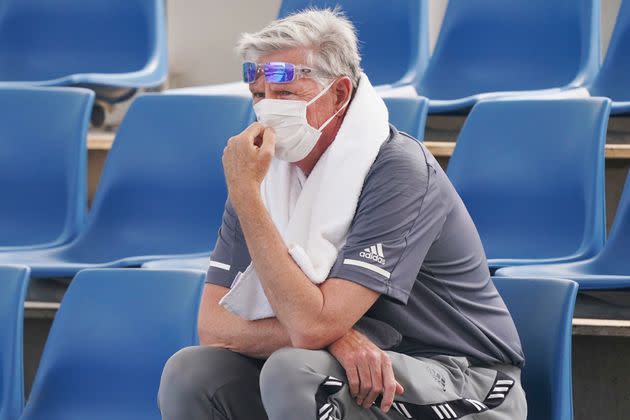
x=614, y=257
x=531, y=173
x=109, y=342
x=13, y=285
x=408, y=114
x=43, y=40
x=162, y=191
x=613, y=79
x=542, y=310
x=42, y=164
x=393, y=35
x=497, y=45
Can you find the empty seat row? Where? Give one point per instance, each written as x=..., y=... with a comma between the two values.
x=485, y=49
x=116, y=328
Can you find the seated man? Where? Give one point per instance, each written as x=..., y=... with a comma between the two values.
x=348, y=280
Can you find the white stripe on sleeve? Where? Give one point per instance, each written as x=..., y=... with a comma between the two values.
x=367, y=266
x=220, y=265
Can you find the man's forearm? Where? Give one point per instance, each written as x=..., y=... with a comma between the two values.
x=218, y=327
x=296, y=301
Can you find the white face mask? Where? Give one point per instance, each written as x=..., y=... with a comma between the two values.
x=295, y=138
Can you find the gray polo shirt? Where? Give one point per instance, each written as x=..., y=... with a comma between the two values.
x=413, y=241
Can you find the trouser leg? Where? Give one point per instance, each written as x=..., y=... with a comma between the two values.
x=307, y=384
x=210, y=384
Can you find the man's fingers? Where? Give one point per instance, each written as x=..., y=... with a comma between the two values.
x=389, y=385
x=353, y=380
x=254, y=130
x=365, y=380
x=269, y=141
x=376, y=376
x=399, y=389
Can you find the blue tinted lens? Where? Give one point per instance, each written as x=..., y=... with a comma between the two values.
x=249, y=72
x=279, y=72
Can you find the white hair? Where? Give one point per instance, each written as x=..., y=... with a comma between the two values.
x=327, y=34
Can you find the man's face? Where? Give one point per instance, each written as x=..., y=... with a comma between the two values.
x=303, y=89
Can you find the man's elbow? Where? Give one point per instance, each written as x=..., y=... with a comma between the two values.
x=317, y=338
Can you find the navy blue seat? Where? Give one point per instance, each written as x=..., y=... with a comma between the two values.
x=531, y=173
x=522, y=46
x=613, y=79
x=42, y=165
x=162, y=190
x=13, y=285
x=112, y=43
x=542, y=310
x=393, y=40
x=109, y=341
x=610, y=269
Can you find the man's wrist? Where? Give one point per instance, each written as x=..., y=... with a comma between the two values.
x=245, y=196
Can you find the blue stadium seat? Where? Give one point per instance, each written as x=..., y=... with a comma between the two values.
x=613, y=79
x=109, y=341
x=13, y=285
x=546, y=338
x=610, y=269
x=531, y=173
x=393, y=35
x=114, y=43
x=42, y=165
x=406, y=114
x=162, y=188
x=489, y=46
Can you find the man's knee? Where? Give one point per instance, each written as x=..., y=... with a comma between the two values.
x=288, y=381
x=180, y=377
x=281, y=369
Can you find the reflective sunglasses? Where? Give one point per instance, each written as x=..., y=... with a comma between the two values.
x=275, y=72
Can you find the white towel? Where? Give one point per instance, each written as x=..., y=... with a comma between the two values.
x=313, y=215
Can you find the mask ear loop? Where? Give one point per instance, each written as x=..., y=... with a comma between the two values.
x=320, y=94
x=321, y=127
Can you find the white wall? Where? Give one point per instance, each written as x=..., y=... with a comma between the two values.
x=202, y=34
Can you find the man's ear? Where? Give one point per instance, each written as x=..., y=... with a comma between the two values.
x=343, y=91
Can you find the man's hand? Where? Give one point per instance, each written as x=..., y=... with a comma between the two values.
x=368, y=369
x=246, y=160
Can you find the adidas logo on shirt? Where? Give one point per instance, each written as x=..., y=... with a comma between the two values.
x=374, y=253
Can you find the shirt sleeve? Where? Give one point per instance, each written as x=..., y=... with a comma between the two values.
x=230, y=255
x=399, y=215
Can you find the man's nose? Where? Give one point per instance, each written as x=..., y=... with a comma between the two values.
x=269, y=94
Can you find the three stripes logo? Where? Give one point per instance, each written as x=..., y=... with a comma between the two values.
x=444, y=411
x=500, y=389
x=374, y=253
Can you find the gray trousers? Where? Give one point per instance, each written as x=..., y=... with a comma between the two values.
x=211, y=384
